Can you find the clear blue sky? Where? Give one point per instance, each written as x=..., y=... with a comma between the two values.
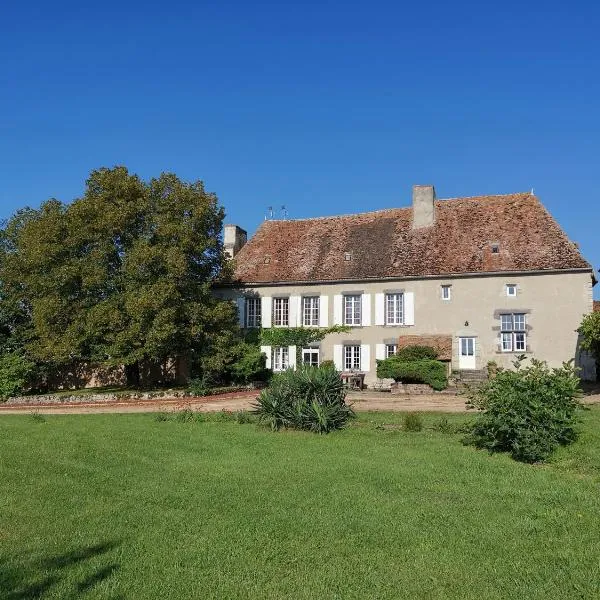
x=326, y=107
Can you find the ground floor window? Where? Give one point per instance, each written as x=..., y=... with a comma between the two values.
x=352, y=358
x=390, y=350
x=310, y=356
x=280, y=358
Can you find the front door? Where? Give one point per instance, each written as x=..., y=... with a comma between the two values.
x=466, y=358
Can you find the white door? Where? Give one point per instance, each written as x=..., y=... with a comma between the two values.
x=466, y=359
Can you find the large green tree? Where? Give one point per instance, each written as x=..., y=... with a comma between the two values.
x=589, y=331
x=121, y=276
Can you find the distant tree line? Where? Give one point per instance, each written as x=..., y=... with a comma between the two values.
x=121, y=276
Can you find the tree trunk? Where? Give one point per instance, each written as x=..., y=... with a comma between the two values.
x=132, y=375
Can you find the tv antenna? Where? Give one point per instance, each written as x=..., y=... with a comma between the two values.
x=269, y=214
x=284, y=212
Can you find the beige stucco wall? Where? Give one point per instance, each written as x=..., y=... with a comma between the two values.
x=554, y=304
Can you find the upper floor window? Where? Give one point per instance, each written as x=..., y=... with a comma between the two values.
x=252, y=312
x=352, y=358
x=446, y=292
x=394, y=309
x=281, y=312
x=513, y=336
x=390, y=350
x=310, y=311
x=511, y=289
x=280, y=358
x=352, y=313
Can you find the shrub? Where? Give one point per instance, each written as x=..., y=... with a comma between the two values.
x=15, y=372
x=200, y=386
x=310, y=398
x=527, y=412
x=412, y=422
x=250, y=365
x=432, y=372
x=327, y=364
x=417, y=353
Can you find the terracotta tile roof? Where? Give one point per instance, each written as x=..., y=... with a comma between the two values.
x=596, y=305
x=442, y=343
x=383, y=244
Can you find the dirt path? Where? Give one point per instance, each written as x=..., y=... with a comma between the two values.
x=362, y=401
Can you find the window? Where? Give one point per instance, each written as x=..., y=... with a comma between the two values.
x=394, y=309
x=310, y=311
x=446, y=292
x=252, y=312
x=351, y=358
x=511, y=289
x=352, y=314
x=310, y=356
x=390, y=350
x=281, y=312
x=513, y=337
x=280, y=358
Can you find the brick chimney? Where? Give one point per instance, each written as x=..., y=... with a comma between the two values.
x=423, y=206
x=234, y=238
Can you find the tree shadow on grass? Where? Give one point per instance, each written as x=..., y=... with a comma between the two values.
x=29, y=579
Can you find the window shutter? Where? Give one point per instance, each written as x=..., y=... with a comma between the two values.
x=266, y=309
x=241, y=306
x=409, y=308
x=379, y=309
x=365, y=310
x=365, y=357
x=292, y=357
x=267, y=350
x=324, y=311
x=338, y=357
x=379, y=351
x=295, y=311
x=337, y=310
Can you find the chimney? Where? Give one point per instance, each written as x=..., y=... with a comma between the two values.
x=423, y=206
x=234, y=238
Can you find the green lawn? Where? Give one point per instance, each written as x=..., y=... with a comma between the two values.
x=124, y=506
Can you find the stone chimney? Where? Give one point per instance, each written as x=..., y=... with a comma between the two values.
x=234, y=238
x=423, y=206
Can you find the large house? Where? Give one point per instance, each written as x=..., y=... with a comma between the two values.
x=484, y=278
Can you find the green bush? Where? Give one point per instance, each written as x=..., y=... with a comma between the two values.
x=432, y=372
x=527, y=412
x=327, y=364
x=309, y=398
x=417, y=353
x=15, y=372
x=412, y=422
x=249, y=366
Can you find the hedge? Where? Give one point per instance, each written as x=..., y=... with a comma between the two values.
x=431, y=372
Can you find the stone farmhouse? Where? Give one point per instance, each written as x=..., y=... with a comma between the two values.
x=483, y=278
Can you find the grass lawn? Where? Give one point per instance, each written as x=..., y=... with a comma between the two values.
x=124, y=506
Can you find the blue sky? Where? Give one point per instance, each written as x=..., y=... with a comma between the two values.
x=326, y=107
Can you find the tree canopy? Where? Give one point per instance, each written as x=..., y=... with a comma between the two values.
x=119, y=276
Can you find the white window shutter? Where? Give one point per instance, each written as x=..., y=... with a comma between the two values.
x=295, y=312
x=365, y=357
x=338, y=316
x=324, y=311
x=292, y=357
x=365, y=310
x=379, y=351
x=267, y=350
x=241, y=306
x=266, y=310
x=409, y=308
x=379, y=309
x=338, y=357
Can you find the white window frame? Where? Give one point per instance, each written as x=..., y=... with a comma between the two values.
x=394, y=308
x=253, y=311
x=353, y=309
x=446, y=292
x=352, y=357
x=311, y=311
x=390, y=350
x=281, y=312
x=280, y=358
x=511, y=290
x=513, y=332
x=312, y=352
